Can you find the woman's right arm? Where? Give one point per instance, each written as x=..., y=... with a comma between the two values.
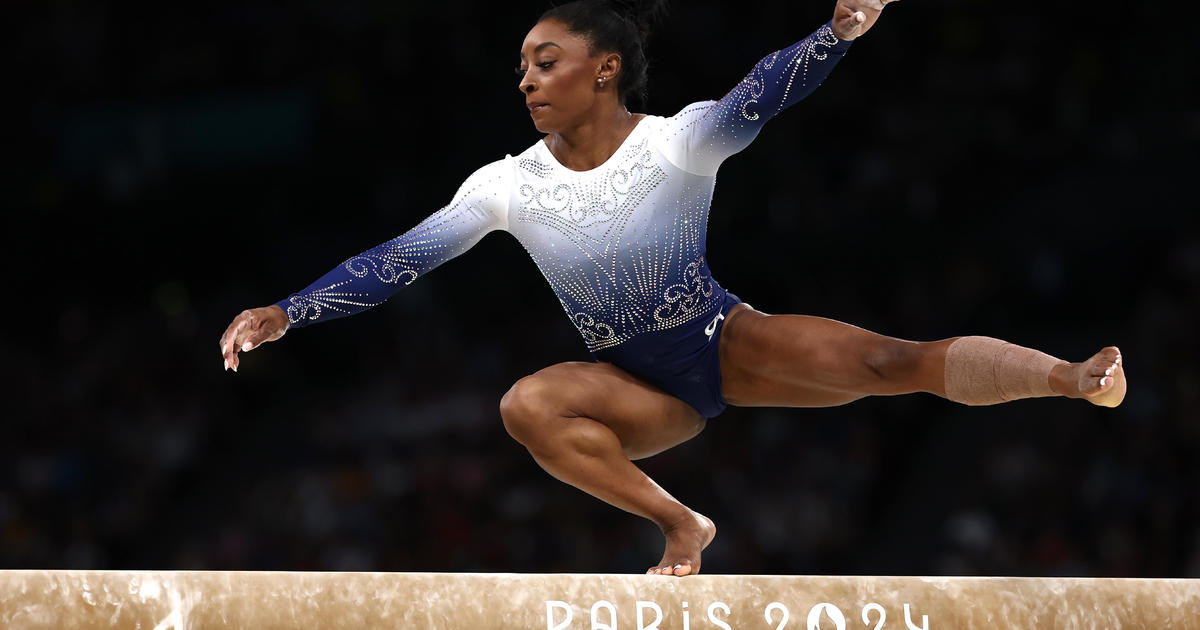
x=370, y=278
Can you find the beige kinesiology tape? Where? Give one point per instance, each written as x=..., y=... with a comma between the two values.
x=986, y=371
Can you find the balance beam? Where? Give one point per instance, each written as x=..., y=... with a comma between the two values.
x=179, y=600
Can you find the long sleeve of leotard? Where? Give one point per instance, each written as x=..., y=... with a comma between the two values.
x=702, y=135
x=368, y=279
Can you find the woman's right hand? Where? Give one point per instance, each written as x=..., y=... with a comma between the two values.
x=250, y=329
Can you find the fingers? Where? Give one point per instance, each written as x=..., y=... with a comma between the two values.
x=259, y=333
x=250, y=329
x=853, y=18
x=241, y=337
x=851, y=25
x=229, y=341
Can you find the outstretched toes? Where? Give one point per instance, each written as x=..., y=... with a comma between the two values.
x=1100, y=380
x=685, y=541
x=1109, y=368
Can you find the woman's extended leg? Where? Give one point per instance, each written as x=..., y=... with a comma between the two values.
x=584, y=422
x=801, y=361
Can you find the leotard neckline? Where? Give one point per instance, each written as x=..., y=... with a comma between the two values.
x=560, y=166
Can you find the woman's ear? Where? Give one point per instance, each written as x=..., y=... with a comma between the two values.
x=610, y=67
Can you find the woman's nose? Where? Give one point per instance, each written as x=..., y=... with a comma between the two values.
x=525, y=85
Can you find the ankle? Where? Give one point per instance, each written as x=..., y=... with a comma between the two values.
x=682, y=518
x=1062, y=380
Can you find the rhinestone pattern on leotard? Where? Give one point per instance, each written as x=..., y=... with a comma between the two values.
x=622, y=245
x=371, y=277
x=621, y=257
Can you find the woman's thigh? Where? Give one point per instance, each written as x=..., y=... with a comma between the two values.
x=646, y=419
x=804, y=361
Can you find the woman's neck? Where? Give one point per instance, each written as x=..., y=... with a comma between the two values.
x=586, y=146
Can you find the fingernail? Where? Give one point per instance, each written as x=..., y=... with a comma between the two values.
x=235, y=369
x=1108, y=371
x=1101, y=381
x=226, y=365
x=679, y=566
x=246, y=347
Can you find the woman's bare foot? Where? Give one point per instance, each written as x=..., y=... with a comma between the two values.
x=1100, y=380
x=685, y=541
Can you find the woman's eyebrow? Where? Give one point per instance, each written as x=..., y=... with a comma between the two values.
x=539, y=47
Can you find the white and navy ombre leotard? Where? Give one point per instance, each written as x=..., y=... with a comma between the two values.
x=622, y=245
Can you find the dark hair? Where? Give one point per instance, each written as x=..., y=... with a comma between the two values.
x=620, y=26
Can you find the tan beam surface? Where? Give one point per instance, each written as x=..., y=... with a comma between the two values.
x=154, y=600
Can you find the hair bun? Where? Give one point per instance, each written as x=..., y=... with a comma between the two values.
x=644, y=13
x=621, y=26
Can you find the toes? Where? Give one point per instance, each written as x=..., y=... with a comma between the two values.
x=1103, y=369
x=1094, y=384
x=677, y=569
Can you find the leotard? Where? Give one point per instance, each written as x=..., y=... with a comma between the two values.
x=622, y=245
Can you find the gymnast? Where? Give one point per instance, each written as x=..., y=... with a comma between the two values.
x=613, y=207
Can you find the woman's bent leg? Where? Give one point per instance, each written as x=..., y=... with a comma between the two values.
x=802, y=361
x=584, y=422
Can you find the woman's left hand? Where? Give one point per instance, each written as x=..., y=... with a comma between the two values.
x=853, y=18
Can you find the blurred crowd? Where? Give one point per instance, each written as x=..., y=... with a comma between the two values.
x=967, y=169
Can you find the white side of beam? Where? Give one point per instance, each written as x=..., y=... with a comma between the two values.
x=154, y=600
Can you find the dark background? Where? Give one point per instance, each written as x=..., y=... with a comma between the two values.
x=1011, y=169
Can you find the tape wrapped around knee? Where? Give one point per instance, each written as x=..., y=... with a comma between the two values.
x=986, y=371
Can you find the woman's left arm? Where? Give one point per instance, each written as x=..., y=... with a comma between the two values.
x=708, y=133
x=853, y=18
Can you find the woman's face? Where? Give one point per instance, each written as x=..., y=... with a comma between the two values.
x=558, y=76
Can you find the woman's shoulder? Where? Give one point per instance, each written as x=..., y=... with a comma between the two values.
x=671, y=126
x=691, y=109
x=685, y=118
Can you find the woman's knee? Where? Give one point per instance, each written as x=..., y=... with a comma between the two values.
x=519, y=407
x=533, y=402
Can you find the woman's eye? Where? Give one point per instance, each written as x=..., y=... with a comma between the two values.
x=544, y=65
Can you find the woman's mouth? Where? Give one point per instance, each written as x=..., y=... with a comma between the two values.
x=536, y=107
